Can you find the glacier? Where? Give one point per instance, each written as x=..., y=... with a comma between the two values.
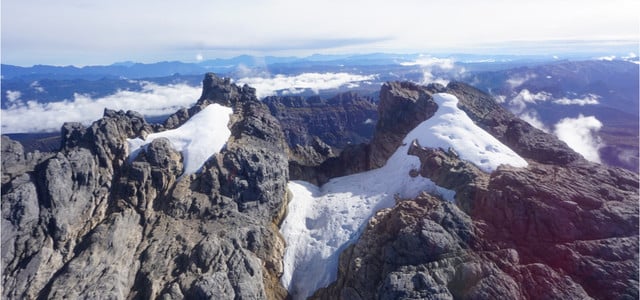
x=323, y=221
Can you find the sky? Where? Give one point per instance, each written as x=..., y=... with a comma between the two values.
x=80, y=32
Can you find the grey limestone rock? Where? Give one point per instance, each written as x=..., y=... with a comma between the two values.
x=89, y=222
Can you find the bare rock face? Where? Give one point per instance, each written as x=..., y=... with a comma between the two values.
x=562, y=228
x=403, y=105
x=51, y=208
x=339, y=121
x=87, y=222
x=326, y=137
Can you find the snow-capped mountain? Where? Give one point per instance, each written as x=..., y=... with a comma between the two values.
x=454, y=196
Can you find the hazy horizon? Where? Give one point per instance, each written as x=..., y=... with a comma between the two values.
x=72, y=32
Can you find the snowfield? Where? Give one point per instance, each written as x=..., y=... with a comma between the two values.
x=200, y=137
x=322, y=221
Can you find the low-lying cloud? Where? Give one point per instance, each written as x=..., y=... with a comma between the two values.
x=430, y=61
x=519, y=103
x=434, y=69
x=533, y=119
x=36, y=86
x=589, y=99
x=516, y=81
x=13, y=96
x=25, y=115
x=315, y=82
x=581, y=135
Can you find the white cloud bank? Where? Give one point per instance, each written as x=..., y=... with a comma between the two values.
x=580, y=134
x=305, y=81
x=154, y=100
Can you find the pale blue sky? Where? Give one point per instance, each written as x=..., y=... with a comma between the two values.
x=84, y=32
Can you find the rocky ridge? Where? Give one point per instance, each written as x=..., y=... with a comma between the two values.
x=86, y=223
x=560, y=228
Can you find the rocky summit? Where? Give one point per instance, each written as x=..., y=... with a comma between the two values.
x=91, y=220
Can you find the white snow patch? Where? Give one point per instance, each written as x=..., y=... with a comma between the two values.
x=200, y=137
x=451, y=127
x=322, y=221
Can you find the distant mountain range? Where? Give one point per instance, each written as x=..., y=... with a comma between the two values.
x=542, y=89
x=136, y=70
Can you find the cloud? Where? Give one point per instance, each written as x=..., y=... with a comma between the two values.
x=607, y=58
x=532, y=118
x=589, y=99
x=36, y=86
x=517, y=81
x=434, y=69
x=155, y=30
x=632, y=57
x=580, y=134
x=199, y=57
x=305, y=81
x=153, y=100
x=13, y=96
x=500, y=98
x=429, y=61
x=519, y=103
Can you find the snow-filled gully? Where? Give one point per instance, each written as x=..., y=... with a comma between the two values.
x=322, y=221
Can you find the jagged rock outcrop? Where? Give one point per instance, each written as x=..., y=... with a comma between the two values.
x=403, y=105
x=327, y=137
x=561, y=228
x=87, y=222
